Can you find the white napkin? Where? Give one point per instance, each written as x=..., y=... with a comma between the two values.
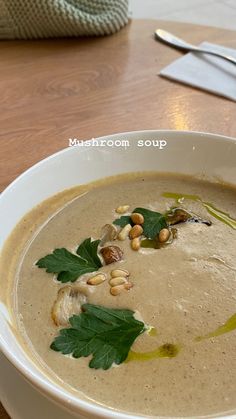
x=205, y=71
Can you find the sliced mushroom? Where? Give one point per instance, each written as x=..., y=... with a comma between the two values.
x=108, y=233
x=179, y=215
x=111, y=254
x=69, y=301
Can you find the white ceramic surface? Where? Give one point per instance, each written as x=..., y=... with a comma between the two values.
x=22, y=400
x=191, y=153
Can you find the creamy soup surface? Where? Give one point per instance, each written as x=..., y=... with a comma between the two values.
x=184, y=290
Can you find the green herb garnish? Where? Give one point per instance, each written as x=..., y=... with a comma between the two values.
x=154, y=222
x=69, y=266
x=106, y=334
x=123, y=220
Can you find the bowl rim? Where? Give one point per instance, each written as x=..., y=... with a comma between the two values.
x=43, y=384
x=200, y=134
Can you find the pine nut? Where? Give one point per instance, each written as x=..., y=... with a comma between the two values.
x=137, y=218
x=117, y=289
x=164, y=235
x=118, y=280
x=122, y=209
x=120, y=288
x=128, y=286
x=119, y=272
x=123, y=234
x=97, y=279
x=135, y=244
x=136, y=231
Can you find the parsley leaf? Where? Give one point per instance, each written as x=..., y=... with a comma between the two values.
x=88, y=251
x=69, y=266
x=106, y=334
x=154, y=222
x=123, y=220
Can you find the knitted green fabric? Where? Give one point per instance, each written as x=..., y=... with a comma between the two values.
x=28, y=19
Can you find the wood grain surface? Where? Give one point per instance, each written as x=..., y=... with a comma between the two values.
x=53, y=90
x=57, y=89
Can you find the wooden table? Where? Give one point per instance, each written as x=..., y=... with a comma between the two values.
x=59, y=89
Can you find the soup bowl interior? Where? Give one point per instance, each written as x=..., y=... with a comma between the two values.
x=205, y=156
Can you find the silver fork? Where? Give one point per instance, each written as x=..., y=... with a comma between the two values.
x=173, y=41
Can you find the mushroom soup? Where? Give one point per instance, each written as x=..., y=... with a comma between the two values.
x=125, y=293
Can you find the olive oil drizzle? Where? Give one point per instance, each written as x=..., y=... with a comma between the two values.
x=152, y=331
x=168, y=350
x=211, y=209
x=227, y=327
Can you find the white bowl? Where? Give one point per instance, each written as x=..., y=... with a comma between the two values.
x=203, y=155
